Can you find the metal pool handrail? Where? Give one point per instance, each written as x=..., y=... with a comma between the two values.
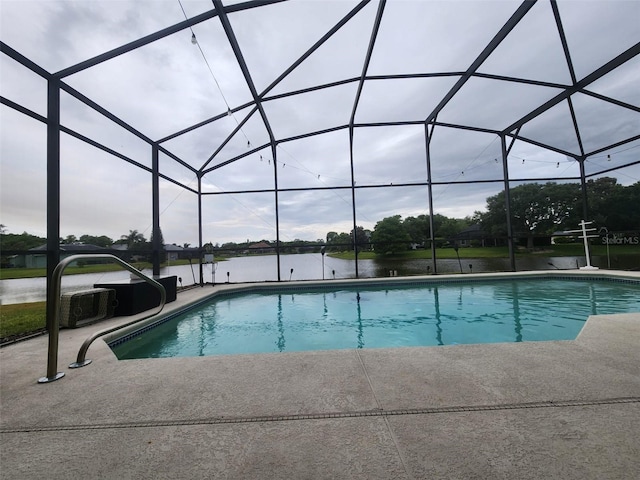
x=54, y=332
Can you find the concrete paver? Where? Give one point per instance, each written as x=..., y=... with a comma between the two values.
x=329, y=414
x=591, y=442
x=359, y=448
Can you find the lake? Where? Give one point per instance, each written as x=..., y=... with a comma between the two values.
x=308, y=266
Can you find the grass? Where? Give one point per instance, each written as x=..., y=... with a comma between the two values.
x=21, y=318
x=567, y=250
x=12, y=273
x=443, y=253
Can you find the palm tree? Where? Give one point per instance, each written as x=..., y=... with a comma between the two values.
x=133, y=238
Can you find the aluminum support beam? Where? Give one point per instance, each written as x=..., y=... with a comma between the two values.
x=372, y=41
x=274, y=153
x=353, y=201
x=53, y=195
x=104, y=112
x=507, y=203
x=519, y=14
x=235, y=46
x=228, y=139
x=563, y=40
x=612, y=169
x=583, y=189
x=316, y=45
x=576, y=128
x=432, y=234
x=613, y=145
x=200, y=244
x=141, y=42
x=156, y=246
x=367, y=59
x=291, y=68
x=567, y=55
x=226, y=25
x=24, y=110
x=586, y=81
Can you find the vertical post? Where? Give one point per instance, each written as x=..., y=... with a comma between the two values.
x=583, y=187
x=585, y=239
x=53, y=225
x=353, y=199
x=606, y=232
x=432, y=233
x=53, y=189
x=156, y=245
x=274, y=153
x=507, y=202
x=200, y=251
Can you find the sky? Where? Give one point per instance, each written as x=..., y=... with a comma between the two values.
x=172, y=84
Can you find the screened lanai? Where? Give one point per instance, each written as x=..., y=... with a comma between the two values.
x=217, y=121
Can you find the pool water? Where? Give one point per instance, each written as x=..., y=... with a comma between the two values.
x=424, y=315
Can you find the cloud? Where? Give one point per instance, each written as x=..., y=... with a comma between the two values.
x=22, y=183
x=169, y=85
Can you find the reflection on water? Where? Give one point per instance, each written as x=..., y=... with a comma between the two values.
x=516, y=312
x=438, y=315
x=305, y=267
x=281, y=341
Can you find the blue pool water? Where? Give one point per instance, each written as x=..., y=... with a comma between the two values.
x=423, y=315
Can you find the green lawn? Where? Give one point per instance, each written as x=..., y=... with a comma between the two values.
x=9, y=273
x=22, y=318
x=567, y=250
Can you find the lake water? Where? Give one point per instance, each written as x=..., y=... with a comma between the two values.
x=307, y=266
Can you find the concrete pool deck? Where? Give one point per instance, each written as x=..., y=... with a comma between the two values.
x=563, y=409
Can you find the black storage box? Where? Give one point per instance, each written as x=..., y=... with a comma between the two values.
x=135, y=296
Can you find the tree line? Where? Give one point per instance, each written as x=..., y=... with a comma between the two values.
x=542, y=209
x=25, y=241
x=536, y=210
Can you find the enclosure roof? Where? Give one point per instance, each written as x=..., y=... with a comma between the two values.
x=562, y=75
x=212, y=83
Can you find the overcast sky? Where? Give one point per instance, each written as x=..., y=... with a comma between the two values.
x=172, y=84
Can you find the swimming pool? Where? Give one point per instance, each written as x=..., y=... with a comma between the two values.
x=280, y=319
